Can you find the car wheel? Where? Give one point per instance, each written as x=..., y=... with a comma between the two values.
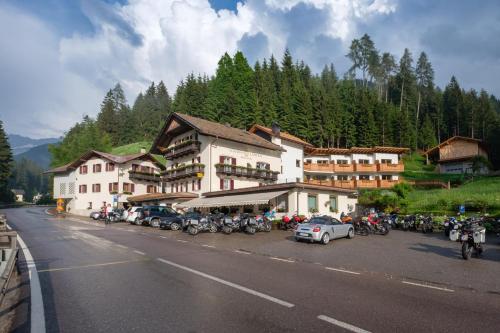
x=155, y=223
x=192, y=230
x=325, y=239
x=174, y=226
x=297, y=239
x=350, y=234
x=137, y=221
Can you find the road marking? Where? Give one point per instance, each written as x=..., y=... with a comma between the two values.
x=130, y=230
x=342, y=270
x=280, y=259
x=36, y=299
x=427, y=286
x=122, y=246
x=229, y=284
x=210, y=246
x=242, y=252
x=140, y=252
x=89, y=266
x=339, y=323
x=182, y=241
x=163, y=237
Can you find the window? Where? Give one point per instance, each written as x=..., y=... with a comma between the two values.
x=312, y=203
x=113, y=187
x=322, y=161
x=308, y=161
x=227, y=162
x=263, y=166
x=386, y=161
x=96, y=188
x=342, y=177
x=90, y=205
x=62, y=188
x=333, y=203
x=96, y=168
x=83, y=169
x=342, y=162
x=110, y=167
x=171, y=188
x=227, y=184
x=128, y=188
x=364, y=177
x=297, y=163
x=364, y=161
x=71, y=188
x=386, y=177
x=82, y=189
x=196, y=185
x=151, y=189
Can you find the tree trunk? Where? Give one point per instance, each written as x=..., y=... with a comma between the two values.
x=401, y=99
x=386, y=92
x=416, y=120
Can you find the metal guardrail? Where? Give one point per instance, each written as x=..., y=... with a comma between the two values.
x=8, y=255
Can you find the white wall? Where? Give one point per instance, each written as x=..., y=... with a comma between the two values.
x=385, y=156
x=293, y=153
x=65, y=182
x=323, y=198
x=357, y=157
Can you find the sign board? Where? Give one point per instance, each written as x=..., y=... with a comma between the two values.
x=60, y=205
x=199, y=174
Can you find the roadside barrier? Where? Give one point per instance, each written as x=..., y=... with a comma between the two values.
x=8, y=255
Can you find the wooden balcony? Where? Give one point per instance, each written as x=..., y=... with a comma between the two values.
x=195, y=170
x=324, y=182
x=365, y=167
x=388, y=167
x=349, y=184
x=150, y=177
x=322, y=167
x=365, y=183
x=244, y=172
x=185, y=148
x=385, y=183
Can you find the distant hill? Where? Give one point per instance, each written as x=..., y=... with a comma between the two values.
x=39, y=154
x=20, y=144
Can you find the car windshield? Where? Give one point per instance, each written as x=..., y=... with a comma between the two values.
x=318, y=220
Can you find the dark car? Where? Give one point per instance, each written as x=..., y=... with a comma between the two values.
x=160, y=216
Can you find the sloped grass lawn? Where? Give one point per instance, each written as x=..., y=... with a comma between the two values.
x=417, y=170
x=136, y=147
x=481, y=194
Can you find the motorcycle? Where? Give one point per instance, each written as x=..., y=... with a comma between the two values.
x=248, y=224
x=366, y=226
x=426, y=224
x=112, y=217
x=288, y=223
x=449, y=225
x=472, y=236
x=263, y=223
x=196, y=225
x=230, y=225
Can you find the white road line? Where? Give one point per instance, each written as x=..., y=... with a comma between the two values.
x=339, y=323
x=342, y=270
x=36, y=309
x=210, y=246
x=140, y=252
x=428, y=286
x=122, y=246
x=280, y=259
x=182, y=241
x=229, y=284
x=163, y=237
x=242, y=252
x=130, y=230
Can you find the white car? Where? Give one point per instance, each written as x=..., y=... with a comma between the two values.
x=133, y=214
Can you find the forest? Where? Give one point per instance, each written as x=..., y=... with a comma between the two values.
x=379, y=101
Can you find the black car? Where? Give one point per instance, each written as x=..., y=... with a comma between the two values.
x=161, y=216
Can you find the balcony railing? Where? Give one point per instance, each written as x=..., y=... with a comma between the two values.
x=324, y=182
x=330, y=167
x=152, y=177
x=365, y=183
x=349, y=184
x=386, y=183
x=185, y=148
x=240, y=171
x=365, y=167
x=195, y=170
x=388, y=167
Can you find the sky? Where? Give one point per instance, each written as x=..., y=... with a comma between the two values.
x=58, y=58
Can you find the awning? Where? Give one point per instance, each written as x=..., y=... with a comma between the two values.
x=233, y=200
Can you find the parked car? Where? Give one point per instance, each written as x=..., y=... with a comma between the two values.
x=153, y=215
x=172, y=221
x=133, y=215
x=323, y=229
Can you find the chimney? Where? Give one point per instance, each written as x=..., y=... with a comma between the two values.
x=276, y=129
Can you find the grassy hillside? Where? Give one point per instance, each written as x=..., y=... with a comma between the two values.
x=482, y=194
x=416, y=169
x=136, y=147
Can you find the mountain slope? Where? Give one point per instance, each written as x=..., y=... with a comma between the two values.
x=39, y=154
x=20, y=144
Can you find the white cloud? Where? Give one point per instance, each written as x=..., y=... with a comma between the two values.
x=153, y=40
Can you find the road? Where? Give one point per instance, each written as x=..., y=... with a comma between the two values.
x=124, y=278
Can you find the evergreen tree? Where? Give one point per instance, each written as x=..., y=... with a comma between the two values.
x=5, y=167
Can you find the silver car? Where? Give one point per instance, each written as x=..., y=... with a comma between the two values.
x=323, y=229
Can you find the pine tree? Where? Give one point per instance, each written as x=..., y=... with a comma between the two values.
x=107, y=119
x=5, y=167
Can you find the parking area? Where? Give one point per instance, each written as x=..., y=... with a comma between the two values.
x=415, y=257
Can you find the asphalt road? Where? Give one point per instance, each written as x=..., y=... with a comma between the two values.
x=124, y=278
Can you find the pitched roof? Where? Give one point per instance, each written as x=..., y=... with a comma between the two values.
x=117, y=159
x=283, y=135
x=214, y=129
x=162, y=196
x=356, y=150
x=450, y=140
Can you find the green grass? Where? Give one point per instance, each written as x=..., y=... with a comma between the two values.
x=136, y=147
x=416, y=169
x=479, y=195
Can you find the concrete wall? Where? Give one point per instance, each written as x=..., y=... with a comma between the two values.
x=290, y=171
x=323, y=199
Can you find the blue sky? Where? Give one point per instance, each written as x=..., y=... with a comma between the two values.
x=58, y=58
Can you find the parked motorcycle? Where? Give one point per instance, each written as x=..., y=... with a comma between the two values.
x=472, y=237
x=263, y=223
x=426, y=224
x=366, y=226
x=112, y=217
x=195, y=225
x=248, y=224
x=288, y=223
x=230, y=224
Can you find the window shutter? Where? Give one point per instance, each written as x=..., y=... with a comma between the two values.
x=233, y=161
x=221, y=159
x=268, y=166
x=192, y=188
x=132, y=187
x=222, y=184
x=232, y=184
